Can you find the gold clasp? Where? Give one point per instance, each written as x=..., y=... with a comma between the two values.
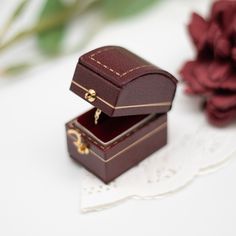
x=96, y=115
x=90, y=95
x=81, y=146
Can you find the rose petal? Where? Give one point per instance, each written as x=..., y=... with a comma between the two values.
x=219, y=71
x=229, y=83
x=222, y=47
x=201, y=72
x=231, y=29
x=228, y=17
x=224, y=101
x=233, y=53
x=218, y=9
x=218, y=117
x=187, y=73
x=211, y=77
x=198, y=29
x=214, y=33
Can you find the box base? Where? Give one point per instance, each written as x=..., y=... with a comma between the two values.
x=108, y=164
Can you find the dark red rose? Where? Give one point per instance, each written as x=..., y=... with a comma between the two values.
x=213, y=73
x=221, y=108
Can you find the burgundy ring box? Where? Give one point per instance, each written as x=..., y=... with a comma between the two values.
x=132, y=97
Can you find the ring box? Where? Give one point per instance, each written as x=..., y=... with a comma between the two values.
x=129, y=122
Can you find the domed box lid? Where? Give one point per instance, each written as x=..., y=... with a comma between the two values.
x=121, y=83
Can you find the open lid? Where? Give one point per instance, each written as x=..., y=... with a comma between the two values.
x=120, y=83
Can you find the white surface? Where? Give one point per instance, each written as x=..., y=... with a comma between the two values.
x=40, y=185
x=194, y=148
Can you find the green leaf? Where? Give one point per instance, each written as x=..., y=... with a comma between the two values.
x=19, y=9
x=15, y=69
x=15, y=14
x=124, y=8
x=50, y=41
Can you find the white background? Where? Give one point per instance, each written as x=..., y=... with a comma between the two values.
x=40, y=185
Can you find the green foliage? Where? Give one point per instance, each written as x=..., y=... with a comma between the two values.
x=13, y=17
x=15, y=69
x=55, y=16
x=124, y=8
x=49, y=41
x=19, y=9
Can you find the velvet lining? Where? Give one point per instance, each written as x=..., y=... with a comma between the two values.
x=108, y=127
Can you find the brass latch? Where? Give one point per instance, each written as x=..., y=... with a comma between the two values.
x=80, y=145
x=90, y=95
x=97, y=115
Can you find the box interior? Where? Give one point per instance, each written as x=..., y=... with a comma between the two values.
x=108, y=128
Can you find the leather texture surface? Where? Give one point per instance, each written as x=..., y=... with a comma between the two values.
x=107, y=163
x=125, y=84
x=118, y=65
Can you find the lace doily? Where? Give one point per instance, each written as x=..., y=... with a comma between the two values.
x=194, y=148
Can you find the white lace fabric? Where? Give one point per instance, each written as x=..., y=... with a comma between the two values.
x=194, y=148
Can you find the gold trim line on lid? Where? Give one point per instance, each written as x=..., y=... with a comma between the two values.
x=160, y=104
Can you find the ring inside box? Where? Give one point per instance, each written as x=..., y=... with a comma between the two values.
x=116, y=126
